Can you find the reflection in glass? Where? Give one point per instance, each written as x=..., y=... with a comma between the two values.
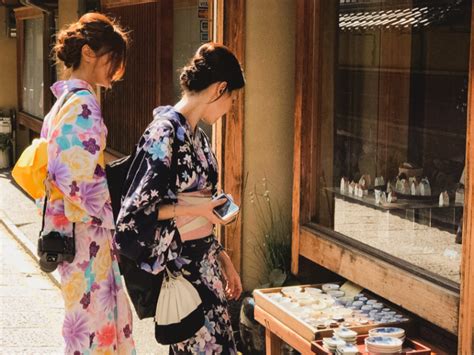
x=33, y=81
x=393, y=127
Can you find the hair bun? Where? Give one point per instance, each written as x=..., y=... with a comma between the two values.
x=196, y=76
x=68, y=49
x=212, y=63
x=101, y=33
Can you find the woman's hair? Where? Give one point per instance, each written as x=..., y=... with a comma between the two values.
x=101, y=33
x=212, y=63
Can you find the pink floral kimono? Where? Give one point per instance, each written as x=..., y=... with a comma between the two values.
x=98, y=317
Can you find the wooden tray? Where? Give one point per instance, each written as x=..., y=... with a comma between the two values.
x=306, y=330
x=409, y=347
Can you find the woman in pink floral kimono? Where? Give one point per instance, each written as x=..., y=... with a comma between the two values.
x=98, y=317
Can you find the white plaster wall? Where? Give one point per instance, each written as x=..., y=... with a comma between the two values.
x=269, y=114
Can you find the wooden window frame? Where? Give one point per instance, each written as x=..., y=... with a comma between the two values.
x=26, y=13
x=438, y=302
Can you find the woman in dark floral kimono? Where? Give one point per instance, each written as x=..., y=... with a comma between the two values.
x=167, y=217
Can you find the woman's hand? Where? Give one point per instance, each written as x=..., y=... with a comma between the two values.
x=233, y=286
x=206, y=210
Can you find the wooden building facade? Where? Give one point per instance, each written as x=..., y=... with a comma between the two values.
x=376, y=89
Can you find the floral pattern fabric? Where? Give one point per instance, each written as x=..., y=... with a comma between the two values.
x=98, y=316
x=171, y=159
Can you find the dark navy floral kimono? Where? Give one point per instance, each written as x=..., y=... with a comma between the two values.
x=171, y=160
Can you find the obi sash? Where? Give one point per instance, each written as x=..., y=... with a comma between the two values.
x=194, y=227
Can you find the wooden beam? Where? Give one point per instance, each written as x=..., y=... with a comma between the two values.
x=165, y=53
x=119, y=3
x=217, y=12
x=466, y=309
x=296, y=198
x=426, y=299
x=306, y=37
x=20, y=49
x=29, y=121
x=27, y=12
x=233, y=130
x=48, y=64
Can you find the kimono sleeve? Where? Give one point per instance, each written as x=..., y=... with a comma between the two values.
x=75, y=159
x=139, y=235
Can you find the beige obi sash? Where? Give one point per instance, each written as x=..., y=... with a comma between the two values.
x=191, y=227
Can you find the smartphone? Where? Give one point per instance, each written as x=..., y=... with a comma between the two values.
x=228, y=211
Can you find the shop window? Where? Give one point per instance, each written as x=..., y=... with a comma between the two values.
x=33, y=79
x=391, y=138
x=36, y=71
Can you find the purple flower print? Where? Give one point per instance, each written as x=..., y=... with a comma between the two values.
x=86, y=300
x=59, y=173
x=95, y=286
x=91, y=145
x=74, y=189
x=75, y=332
x=99, y=171
x=96, y=221
x=108, y=293
x=93, y=197
x=127, y=331
x=83, y=266
x=91, y=339
x=85, y=112
x=93, y=249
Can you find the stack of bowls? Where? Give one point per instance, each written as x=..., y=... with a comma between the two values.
x=383, y=345
x=392, y=332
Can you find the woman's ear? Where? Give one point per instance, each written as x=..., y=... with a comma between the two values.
x=87, y=53
x=222, y=87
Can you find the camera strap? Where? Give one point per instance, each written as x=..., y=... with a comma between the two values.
x=44, y=216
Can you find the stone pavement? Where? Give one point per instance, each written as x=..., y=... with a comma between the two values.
x=31, y=306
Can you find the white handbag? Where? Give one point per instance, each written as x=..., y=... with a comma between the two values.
x=179, y=313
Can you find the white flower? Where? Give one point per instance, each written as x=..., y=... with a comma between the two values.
x=122, y=227
x=202, y=337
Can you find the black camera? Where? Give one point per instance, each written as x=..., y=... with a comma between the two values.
x=53, y=248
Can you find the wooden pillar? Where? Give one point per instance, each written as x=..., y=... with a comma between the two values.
x=307, y=70
x=229, y=132
x=466, y=311
x=272, y=343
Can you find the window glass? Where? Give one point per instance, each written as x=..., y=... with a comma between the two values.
x=392, y=128
x=33, y=81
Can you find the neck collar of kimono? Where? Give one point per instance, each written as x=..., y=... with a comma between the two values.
x=170, y=112
x=61, y=86
x=185, y=124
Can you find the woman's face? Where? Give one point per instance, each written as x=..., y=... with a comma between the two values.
x=219, y=107
x=101, y=71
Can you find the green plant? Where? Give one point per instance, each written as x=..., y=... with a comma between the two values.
x=274, y=235
x=5, y=141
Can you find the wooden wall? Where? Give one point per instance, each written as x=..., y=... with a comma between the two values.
x=128, y=107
